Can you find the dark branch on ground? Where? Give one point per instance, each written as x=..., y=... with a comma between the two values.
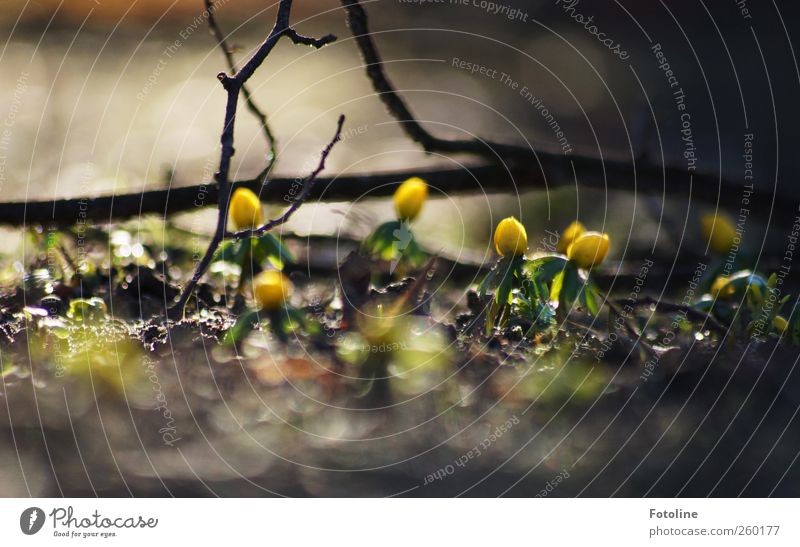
x=553, y=172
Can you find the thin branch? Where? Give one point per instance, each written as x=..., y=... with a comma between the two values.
x=358, y=22
x=308, y=184
x=298, y=38
x=233, y=86
x=252, y=107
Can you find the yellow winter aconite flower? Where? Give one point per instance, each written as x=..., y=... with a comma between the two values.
x=510, y=237
x=589, y=249
x=780, y=323
x=271, y=289
x=245, y=209
x=409, y=198
x=573, y=231
x=720, y=231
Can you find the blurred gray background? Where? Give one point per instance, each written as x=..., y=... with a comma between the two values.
x=111, y=97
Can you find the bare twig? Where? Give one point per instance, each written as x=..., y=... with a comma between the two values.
x=233, y=86
x=544, y=170
x=357, y=21
x=493, y=151
x=227, y=51
x=308, y=184
x=298, y=38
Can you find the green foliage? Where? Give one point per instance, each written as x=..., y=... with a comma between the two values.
x=749, y=304
x=504, y=277
x=532, y=314
x=282, y=323
x=394, y=241
x=87, y=309
x=532, y=290
x=568, y=283
x=250, y=253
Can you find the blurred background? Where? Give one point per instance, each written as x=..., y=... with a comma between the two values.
x=110, y=97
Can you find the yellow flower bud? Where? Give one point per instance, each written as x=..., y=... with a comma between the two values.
x=588, y=250
x=245, y=209
x=271, y=289
x=510, y=238
x=572, y=232
x=409, y=198
x=720, y=231
x=720, y=288
x=780, y=323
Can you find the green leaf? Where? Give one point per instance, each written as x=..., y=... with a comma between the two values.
x=546, y=268
x=491, y=316
x=555, y=288
x=269, y=247
x=279, y=326
x=413, y=252
x=488, y=283
x=7, y=368
x=704, y=304
x=83, y=309
x=740, y=281
x=772, y=281
x=757, y=296
x=225, y=252
x=571, y=286
x=382, y=239
x=295, y=316
x=503, y=293
x=589, y=298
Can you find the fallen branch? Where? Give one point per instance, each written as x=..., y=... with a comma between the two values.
x=553, y=172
